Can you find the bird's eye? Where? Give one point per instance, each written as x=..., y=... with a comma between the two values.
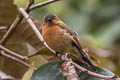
x=50, y=19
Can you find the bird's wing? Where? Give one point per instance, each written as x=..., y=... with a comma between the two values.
x=74, y=35
x=75, y=43
x=68, y=29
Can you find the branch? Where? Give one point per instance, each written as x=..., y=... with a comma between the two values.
x=29, y=5
x=63, y=57
x=13, y=53
x=15, y=59
x=42, y=4
x=10, y=30
x=3, y=27
x=68, y=70
x=0, y=78
x=93, y=73
x=14, y=24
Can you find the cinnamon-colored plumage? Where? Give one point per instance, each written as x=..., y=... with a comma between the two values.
x=63, y=39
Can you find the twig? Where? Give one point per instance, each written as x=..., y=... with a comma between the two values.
x=93, y=73
x=0, y=78
x=68, y=70
x=13, y=53
x=63, y=56
x=29, y=5
x=3, y=27
x=15, y=59
x=42, y=4
x=10, y=30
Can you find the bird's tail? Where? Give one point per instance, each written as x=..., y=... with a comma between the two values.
x=86, y=59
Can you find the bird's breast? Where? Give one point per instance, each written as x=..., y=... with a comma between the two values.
x=51, y=33
x=54, y=37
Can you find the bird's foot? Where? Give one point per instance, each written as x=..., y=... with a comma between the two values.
x=59, y=54
x=63, y=56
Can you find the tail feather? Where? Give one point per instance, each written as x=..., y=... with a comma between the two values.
x=84, y=56
x=86, y=59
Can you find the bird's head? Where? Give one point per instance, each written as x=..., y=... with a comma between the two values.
x=50, y=18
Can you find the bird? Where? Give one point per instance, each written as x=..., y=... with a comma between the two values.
x=61, y=38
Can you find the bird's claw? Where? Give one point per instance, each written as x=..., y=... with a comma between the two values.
x=67, y=55
x=63, y=56
x=59, y=54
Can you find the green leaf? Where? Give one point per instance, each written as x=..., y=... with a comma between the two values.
x=50, y=72
x=28, y=73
